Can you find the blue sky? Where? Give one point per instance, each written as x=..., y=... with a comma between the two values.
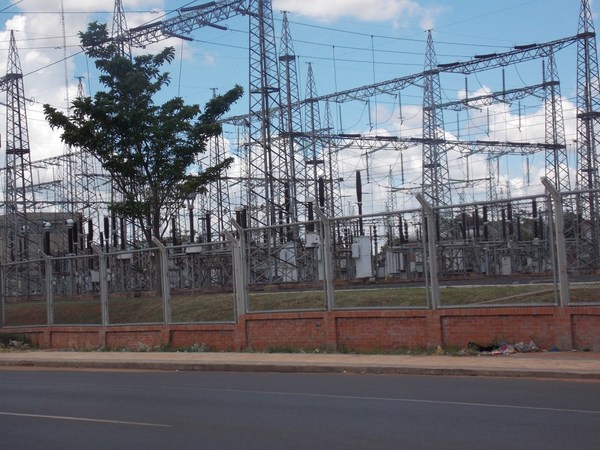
x=349, y=43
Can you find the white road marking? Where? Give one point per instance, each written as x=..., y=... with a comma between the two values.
x=84, y=419
x=410, y=400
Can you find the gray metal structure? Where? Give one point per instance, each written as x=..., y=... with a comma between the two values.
x=588, y=140
x=21, y=232
x=290, y=159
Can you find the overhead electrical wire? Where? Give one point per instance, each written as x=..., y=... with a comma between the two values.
x=396, y=38
x=469, y=123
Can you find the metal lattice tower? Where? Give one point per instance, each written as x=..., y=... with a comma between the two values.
x=119, y=29
x=557, y=164
x=392, y=200
x=19, y=195
x=391, y=204
x=86, y=181
x=334, y=207
x=292, y=122
x=78, y=197
x=314, y=152
x=65, y=55
x=267, y=161
x=588, y=137
x=119, y=33
x=219, y=204
x=69, y=170
x=493, y=173
x=435, y=184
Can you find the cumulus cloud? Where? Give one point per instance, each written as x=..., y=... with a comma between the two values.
x=404, y=12
x=38, y=26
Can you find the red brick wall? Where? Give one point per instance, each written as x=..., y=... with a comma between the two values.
x=500, y=324
x=134, y=339
x=381, y=333
x=75, y=339
x=586, y=331
x=215, y=337
x=566, y=328
x=285, y=331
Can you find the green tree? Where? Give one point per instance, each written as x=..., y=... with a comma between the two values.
x=148, y=148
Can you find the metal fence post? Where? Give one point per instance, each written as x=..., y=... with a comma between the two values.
x=164, y=280
x=432, y=251
x=103, y=283
x=325, y=226
x=561, y=248
x=49, y=291
x=240, y=279
x=2, y=295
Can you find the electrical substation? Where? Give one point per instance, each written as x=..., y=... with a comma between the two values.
x=296, y=214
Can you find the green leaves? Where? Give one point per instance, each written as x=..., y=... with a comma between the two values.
x=148, y=148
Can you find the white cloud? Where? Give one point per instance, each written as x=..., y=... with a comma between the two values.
x=16, y=23
x=38, y=32
x=428, y=16
x=399, y=12
x=208, y=58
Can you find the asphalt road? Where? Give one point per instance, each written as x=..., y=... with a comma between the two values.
x=41, y=409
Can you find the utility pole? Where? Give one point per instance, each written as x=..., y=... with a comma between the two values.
x=588, y=138
x=20, y=200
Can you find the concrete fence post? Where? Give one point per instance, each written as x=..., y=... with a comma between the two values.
x=240, y=280
x=49, y=291
x=325, y=228
x=432, y=256
x=103, y=283
x=2, y=295
x=164, y=280
x=561, y=248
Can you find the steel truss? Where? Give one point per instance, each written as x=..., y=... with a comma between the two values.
x=588, y=139
x=22, y=233
x=281, y=147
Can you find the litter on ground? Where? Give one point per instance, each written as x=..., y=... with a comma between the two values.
x=503, y=348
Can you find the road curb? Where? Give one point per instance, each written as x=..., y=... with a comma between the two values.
x=298, y=368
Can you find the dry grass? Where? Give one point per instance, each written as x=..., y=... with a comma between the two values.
x=220, y=307
x=584, y=293
x=511, y=294
x=202, y=308
x=381, y=298
x=285, y=301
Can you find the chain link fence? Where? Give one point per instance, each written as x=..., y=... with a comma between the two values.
x=536, y=250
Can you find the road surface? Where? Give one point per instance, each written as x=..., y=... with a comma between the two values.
x=45, y=409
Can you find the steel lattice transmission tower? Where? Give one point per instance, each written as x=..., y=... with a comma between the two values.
x=557, y=164
x=291, y=139
x=588, y=135
x=19, y=201
x=119, y=33
x=267, y=161
x=269, y=175
x=86, y=183
x=69, y=192
x=435, y=183
x=314, y=153
x=267, y=170
x=119, y=29
x=218, y=193
x=333, y=205
x=392, y=198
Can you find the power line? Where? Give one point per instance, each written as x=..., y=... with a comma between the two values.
x=396, y=38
